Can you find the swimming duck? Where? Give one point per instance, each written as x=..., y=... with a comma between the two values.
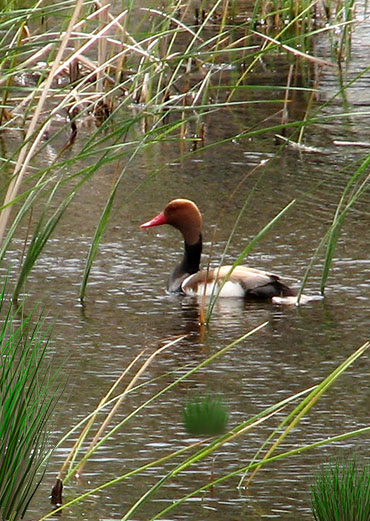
x=187, y=279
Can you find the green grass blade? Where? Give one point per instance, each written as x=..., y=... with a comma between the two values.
x=244, y=253
x=340, y=214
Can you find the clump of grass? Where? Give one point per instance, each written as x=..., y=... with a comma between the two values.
x=341, y=492
x=28, y=393
x=206, y=416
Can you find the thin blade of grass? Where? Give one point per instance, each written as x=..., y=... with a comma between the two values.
x=340, y=215
x=305, y=406
x=244, y=253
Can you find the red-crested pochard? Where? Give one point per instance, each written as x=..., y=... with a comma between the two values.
x=186, y=277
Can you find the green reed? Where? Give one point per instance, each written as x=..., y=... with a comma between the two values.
x=28, y=393
x=151, y=81
x=341, y=492
x=76, y=461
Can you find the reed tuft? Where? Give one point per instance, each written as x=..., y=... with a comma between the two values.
x=205, y=416
x=29, y=390
x=341, y=492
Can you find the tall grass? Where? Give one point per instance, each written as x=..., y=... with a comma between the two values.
x=28, y=392
x=163, y=75
x=143, y=76
x=341, y=492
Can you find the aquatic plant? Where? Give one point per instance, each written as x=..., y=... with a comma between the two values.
x=28, y=393
x=205, y=416
x=150, y=82
x=141, y=84
x=196, y=452
x=341, y=492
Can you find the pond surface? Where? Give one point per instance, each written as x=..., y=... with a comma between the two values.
x=127, y=310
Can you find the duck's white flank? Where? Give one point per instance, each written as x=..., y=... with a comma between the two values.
x=229, y=289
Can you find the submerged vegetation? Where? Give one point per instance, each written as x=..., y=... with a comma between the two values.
x=86, y=84
x=205, y=416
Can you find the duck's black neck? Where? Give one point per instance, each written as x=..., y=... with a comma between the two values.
x=189, y=265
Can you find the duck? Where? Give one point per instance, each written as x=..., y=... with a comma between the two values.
x=188, y=279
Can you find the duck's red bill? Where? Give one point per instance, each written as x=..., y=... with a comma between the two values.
x=156, y=221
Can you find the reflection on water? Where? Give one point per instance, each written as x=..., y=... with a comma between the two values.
x=127, y=309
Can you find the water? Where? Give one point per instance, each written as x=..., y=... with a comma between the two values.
x=127, y=310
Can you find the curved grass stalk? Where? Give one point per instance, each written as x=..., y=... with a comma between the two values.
x=90, y=421
x=340, y=215
x=161, y=392
x=304, y=407
x=102, y=407
x=244, y=253
x=296, y=52
x=123, y=395
x=40, y=238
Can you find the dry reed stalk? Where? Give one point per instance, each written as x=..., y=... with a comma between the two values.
x=285, y=113
x=57, y=67
x=78, y=55
x=114, y=410
x=27, y=151
x=295, y=52
x=102, y=50
x=95, y=14
x=120, y=27
x=87, y=427
x=174, y=21
x=307, y=112
x=94, y=38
